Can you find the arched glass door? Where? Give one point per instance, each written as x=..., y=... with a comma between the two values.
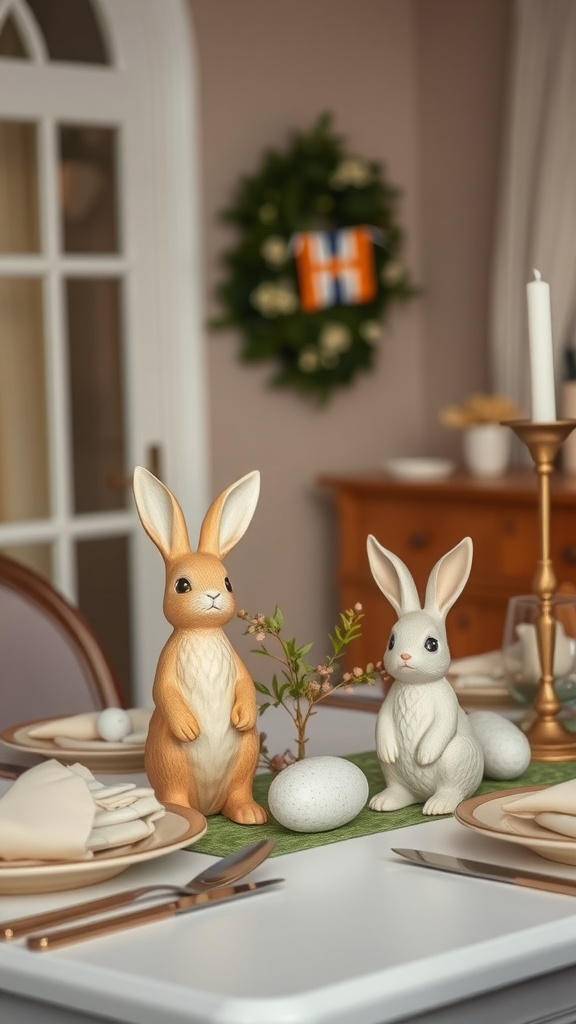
x=82, y=383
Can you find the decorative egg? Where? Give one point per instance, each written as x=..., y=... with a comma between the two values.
x=113, y=724
x=318, y=794
x=506, y=748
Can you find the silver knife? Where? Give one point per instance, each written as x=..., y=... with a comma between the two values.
x=492, y=872
x=184, y=904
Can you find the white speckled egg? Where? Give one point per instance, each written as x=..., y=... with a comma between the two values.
x=317, y=794
x=506, y=748
x=113, y=724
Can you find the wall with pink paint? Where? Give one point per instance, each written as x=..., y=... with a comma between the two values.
x=419, y=86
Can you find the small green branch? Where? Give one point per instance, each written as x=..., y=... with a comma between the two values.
x=305, y=685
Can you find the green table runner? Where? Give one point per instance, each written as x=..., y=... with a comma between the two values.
x=224, y=836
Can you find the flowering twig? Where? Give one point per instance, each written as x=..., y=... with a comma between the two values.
x=298, y=685
x=479, y=408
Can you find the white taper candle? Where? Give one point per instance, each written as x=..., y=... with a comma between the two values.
x=541, y=351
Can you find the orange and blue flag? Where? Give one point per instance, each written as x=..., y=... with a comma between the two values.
x=335, y=268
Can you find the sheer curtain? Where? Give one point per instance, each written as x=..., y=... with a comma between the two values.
x=537, y=215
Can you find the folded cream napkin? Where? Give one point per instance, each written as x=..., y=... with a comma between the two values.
x=521, y=659
x=75, y=731
x=554, y=807
x=478, y=669
x=60, y=812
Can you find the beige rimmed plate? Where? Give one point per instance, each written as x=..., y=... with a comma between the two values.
x=179, y=827
x=484, y=814
x=118, y=758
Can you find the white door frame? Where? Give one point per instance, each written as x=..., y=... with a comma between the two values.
x=166, y=50
x=154, y=72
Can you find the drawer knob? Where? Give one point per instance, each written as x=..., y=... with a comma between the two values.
x=418, y=540
x=569, y=554
x=463, y=621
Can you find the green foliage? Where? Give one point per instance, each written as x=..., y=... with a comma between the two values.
x=313, y=185
x=303, y=685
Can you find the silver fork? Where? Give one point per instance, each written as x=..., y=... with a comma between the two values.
x=224, y=872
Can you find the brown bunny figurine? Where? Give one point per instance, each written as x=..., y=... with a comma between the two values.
x=202, y=746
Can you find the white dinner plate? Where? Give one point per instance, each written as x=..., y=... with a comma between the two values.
x=419, y=468
x=94, y=754
x=179, y=827
x=485, y=814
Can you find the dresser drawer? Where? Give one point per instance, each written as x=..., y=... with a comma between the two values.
x=419, y=533
x=505, y=541
x=474, y=624
x=422, y=523
x=563, y=544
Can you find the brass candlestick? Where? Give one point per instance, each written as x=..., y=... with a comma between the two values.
x=549, y=739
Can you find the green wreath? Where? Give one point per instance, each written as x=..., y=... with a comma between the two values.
x=315, y=186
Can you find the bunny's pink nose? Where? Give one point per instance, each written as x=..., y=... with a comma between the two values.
x=405, y=657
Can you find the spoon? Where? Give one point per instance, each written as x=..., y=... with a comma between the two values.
x=224, y=872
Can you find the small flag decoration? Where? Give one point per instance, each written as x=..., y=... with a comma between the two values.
x=317, y=263
x=335, y=268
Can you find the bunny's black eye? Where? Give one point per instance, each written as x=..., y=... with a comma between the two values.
x=391, y=641
x=431, y=644
x=227, y=584
x=182, y=586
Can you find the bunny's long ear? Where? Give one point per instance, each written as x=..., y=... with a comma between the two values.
x=393, y=578
x=448, y=579
x=230, y=515
x=160, y=514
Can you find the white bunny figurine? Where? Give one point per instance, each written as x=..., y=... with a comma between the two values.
x=424, y=741
x=202, y=746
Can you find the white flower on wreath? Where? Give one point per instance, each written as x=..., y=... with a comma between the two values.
x=350, y=171
x=392, y=272
x=272, y=299
x=370, y=330
x=324, y=203
x=274, y=250
x=333, y=339
x=308, y=360
x=267, y=213
x=329, y=360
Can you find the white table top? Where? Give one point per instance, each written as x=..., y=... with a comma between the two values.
x=355, y=935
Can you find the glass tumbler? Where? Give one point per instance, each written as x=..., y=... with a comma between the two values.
x=521, y=658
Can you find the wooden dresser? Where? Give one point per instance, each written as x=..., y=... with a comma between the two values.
x=422, y=521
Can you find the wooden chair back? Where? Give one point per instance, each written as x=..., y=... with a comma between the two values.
x=51, y=662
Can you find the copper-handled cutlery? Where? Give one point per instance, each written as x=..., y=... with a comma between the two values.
x=8, y=770
x=92, y=929
x=211, y=886
x=491, y=872
x=223, y=873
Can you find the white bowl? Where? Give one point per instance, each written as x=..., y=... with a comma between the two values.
x=419, y=468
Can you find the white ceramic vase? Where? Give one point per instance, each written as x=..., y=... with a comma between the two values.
x=486, y=449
